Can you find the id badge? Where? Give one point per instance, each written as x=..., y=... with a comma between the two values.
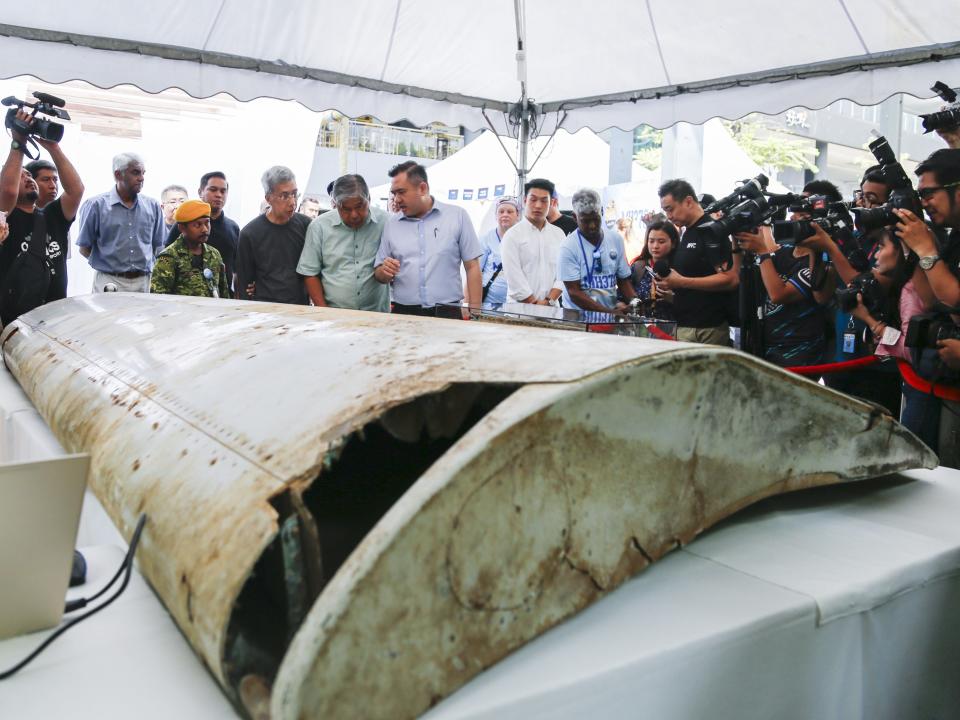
x=849, y=342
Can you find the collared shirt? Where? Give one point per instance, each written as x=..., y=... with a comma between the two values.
x=122, y=239
x=343, y=258
x=596, y=267
x=530, y=260
x=491, y=263
x=180, y=272
x=430, y=250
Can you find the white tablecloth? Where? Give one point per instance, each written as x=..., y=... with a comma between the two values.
x=834, y=603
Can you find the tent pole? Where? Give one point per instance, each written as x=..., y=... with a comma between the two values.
x=523, y=145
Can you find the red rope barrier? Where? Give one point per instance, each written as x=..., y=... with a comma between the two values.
x=911, y=378
x=828, y=368
x=658, y=333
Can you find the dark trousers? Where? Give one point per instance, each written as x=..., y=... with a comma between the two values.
x=399, y=309
x=879, y=386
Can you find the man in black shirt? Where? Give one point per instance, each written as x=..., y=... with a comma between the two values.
x=19, y=193
x=224, y=232
x=567, y=223
x=271, y=244
x=702, y=273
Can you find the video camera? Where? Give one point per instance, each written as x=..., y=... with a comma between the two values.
x=37, y=126
x=746, y=208
x=902, y=194
x=949, y=117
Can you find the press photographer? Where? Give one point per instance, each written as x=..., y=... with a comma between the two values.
x=938, y=284
x=794, y=320
x=884, y=187
x=946, y=122
x=703, y=273
x=33, y=258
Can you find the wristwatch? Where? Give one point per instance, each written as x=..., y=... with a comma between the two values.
x=764, y=256
x=928, y=261
x=15, y=145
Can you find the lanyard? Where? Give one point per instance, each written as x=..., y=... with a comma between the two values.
x=596, y=255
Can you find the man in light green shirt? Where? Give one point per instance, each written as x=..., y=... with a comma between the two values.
x=340, y=248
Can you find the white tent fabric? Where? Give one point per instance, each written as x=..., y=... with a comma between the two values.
x=617, y=63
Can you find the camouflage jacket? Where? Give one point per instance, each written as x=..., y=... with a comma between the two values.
x=174, y=274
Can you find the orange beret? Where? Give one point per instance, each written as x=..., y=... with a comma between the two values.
x=191, y=210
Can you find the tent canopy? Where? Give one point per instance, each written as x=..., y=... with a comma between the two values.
x=614, y=64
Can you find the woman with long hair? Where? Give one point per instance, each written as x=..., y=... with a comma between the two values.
x=661, y=240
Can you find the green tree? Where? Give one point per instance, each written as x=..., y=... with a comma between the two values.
x=772, y=151
x=647, y=146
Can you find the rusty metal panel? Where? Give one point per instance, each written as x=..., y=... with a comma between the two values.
x=430, y=494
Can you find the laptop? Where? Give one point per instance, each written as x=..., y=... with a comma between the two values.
x=40, y=504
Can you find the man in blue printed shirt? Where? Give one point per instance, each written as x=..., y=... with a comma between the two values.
x=592, y=263
x=491, y=263
x=424, y=246
x=122, y=230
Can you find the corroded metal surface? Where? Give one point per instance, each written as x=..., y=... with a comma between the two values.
x=446, y=490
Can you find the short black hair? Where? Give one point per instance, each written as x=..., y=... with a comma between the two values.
x=37, y=165
x=415, y=171
x=944, y=164
x=874, y=174
x=205, y=178
x=825, y=188
x=540, y=184
x=677, y=188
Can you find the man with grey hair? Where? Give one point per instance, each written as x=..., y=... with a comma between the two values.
x=172, y=197
x=122, y=230
x=341, y=246
x=271, y=243
x=593, y=263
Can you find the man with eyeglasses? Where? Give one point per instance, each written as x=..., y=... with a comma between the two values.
x=939, y=191
x=172, y=197
x=271, y=244
x=593, y=260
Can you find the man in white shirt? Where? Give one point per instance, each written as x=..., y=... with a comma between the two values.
x=529, y=250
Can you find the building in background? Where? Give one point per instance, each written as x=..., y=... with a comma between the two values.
x=370, y=148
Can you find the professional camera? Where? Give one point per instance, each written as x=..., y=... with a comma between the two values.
x=37, y=126
x=902, y=194
x=924, y=330
x=949, y=117
x=753, y=188
x=874, y=296
x=832, y=216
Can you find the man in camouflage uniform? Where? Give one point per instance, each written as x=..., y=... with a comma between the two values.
x=189, y=266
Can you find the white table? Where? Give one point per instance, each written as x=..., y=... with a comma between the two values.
x=835, y=603
x=128, y=661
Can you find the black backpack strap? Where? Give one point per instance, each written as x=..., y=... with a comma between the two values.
x=38, y=236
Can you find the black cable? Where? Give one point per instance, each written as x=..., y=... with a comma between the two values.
x=127, y=565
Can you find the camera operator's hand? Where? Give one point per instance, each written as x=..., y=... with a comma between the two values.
x=670, y=283
x=25, y=118
x=949, y=352
x=951, y=136
x=820, y=240
x=4, y=228
x=757, y=243
x=861, y=313
x=915, y=234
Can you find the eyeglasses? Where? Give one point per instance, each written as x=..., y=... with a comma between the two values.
x=928, y=192
x=289, y=195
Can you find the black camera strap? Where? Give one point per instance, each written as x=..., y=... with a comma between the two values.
x=486, y=288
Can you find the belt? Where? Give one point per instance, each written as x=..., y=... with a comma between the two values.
x=130, y=274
